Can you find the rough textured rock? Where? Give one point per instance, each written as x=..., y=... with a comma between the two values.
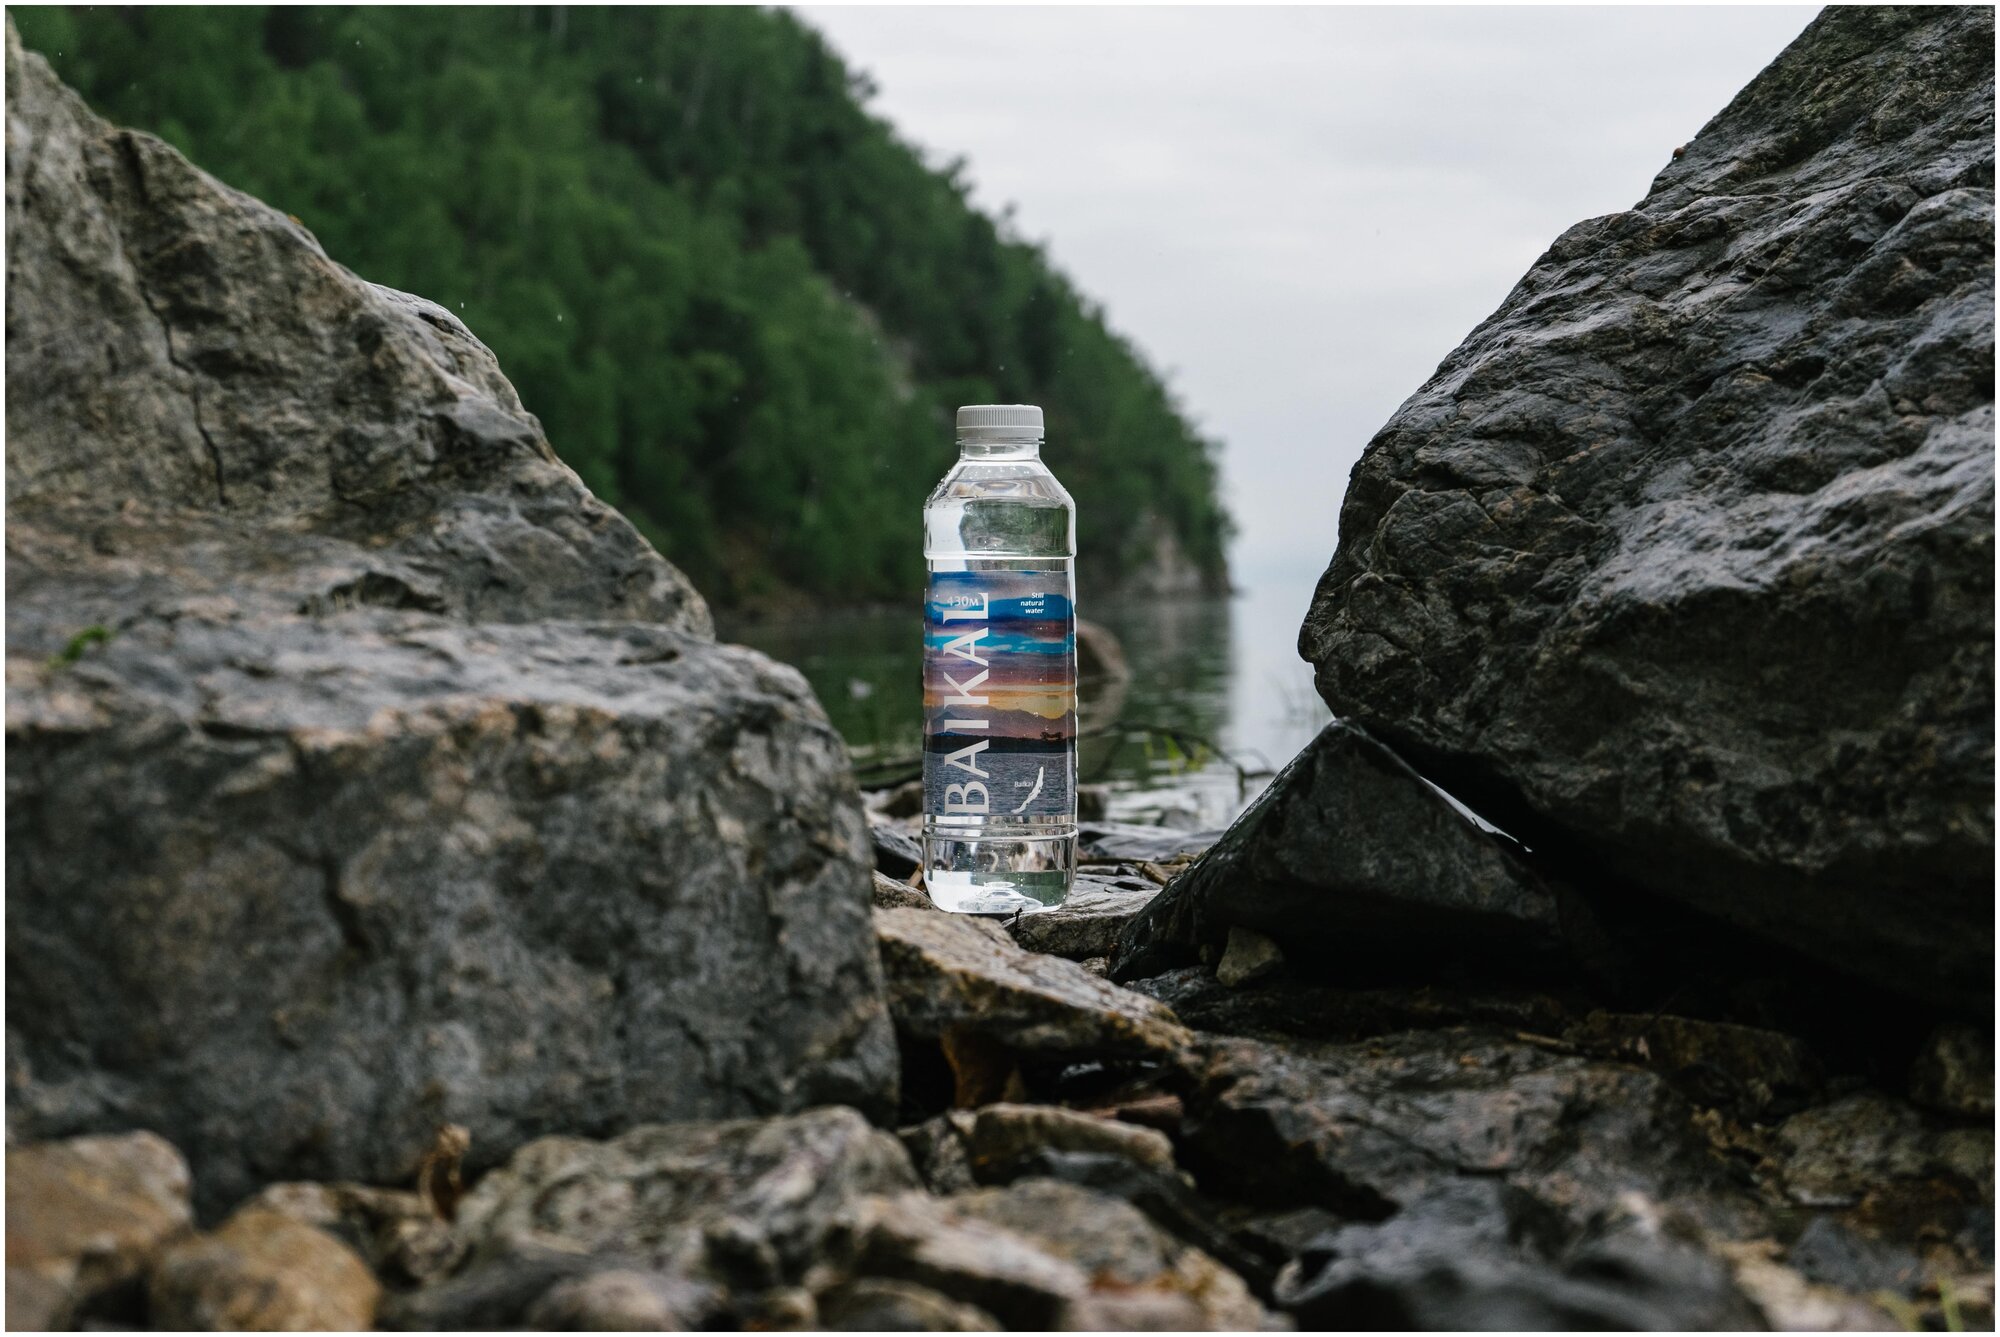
x=1350, y=860
x=1041, y=1254
x=1088, y=923
x=889, y=894
x=1792, y=1302
x=84, y=1219
x=939, y=1149
x=1370, y=1129
x=1480, y=1254
x=261, y=1271
x=874, y=1304
x=953, y=975
x=1834, y=1155
x=1003, y=1135
x=1954, y=1073
x=743, y=1201
x=399, y=1236
x=623, y=1300
x=1757, y=1073
x=1247, y=956
x=1681, y=565
x=1124, y=842
x=364, y=772
x=897, y=853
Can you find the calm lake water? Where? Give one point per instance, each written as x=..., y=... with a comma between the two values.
x=1218, y=697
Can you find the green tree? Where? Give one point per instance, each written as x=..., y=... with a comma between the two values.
x=741, y=305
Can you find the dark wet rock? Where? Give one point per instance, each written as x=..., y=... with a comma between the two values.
x=1279, y=1008
x=1350, y=860
x=898, y=853
x=346, y=730
x=261, y=1271
x=1124, y=842
x=1367, y=1129
x=1040, y=1254
x=958, y=976
x=85, y=1218
x=1954, y=1073
x=1680, y=567
x=875, y=1304
x=1087, y=924
x=1482, y=1254
x=1757, y=1073
x=1837, y=1154
x=1828, y=1251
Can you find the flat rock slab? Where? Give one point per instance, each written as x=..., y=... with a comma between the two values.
x=955, y=975
x=1087, y=924
x=366, y=773
x=1680, y=568
x=1046, y=1255
x=1127, y=842
x=1349, y=862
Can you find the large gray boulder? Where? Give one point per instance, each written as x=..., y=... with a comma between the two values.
x=1680, y=567
x=364, y=773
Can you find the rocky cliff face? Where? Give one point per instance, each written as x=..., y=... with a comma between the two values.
x=1680, y=567
x=365, y=772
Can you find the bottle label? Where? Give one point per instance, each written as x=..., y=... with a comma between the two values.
x=999, y=697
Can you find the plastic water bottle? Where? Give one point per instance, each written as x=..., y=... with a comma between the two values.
x=999, y=672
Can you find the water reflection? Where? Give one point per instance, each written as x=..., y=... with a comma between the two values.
x=1216, y=700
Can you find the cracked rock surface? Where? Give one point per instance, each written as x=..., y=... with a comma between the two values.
x=364, y=772
x=1680, y=567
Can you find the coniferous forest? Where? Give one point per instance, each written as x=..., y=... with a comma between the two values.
x=740, y=304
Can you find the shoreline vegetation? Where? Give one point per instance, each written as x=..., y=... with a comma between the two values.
x=741, y=306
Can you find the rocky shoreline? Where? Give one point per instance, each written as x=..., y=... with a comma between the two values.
x=417, y=920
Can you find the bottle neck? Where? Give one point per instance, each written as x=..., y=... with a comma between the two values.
x=1025, y=448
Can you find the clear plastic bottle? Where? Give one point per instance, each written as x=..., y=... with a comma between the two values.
x=999, y=672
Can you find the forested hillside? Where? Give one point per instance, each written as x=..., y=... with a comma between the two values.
x=741, y=306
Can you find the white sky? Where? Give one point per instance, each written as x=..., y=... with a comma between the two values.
x=1296, y=213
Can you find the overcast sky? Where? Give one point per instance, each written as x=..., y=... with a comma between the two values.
x=1296, y=213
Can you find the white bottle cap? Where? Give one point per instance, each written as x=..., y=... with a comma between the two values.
x=1000, y=420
